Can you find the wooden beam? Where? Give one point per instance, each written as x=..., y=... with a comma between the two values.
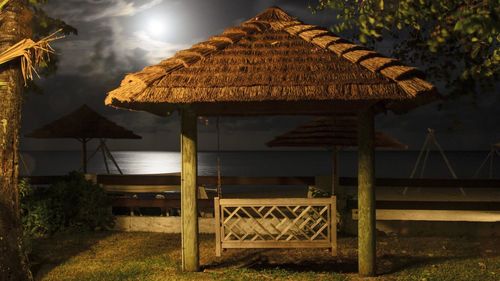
x=427, y=183
x=189, y=206
x=366, y=194
x=167, y=203
x=310, y=108
x=175, y=180
x=168, y=180
x=434, y=215
x=432, y=205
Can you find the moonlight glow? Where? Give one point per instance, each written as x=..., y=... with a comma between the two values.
x=156, y=27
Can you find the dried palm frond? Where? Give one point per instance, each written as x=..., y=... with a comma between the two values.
x=32, y=54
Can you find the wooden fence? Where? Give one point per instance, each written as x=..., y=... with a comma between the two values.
x=276, y=223
x=174, y=180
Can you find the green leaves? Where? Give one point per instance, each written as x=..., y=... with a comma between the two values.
x=460, y=37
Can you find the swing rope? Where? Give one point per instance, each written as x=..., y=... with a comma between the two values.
x=219, y=178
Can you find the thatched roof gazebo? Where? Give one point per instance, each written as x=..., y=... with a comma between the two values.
x=84, y=124
x=273, y=64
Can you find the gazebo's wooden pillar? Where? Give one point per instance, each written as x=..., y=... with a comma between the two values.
x=366, y=194
x=189, y=208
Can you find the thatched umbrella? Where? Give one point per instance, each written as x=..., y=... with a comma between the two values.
x=275, y=64
x=84, y=124
x=332, y=133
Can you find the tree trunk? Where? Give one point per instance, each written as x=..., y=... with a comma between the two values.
x=15, y=19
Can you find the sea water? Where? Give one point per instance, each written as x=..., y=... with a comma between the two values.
x=391, y=164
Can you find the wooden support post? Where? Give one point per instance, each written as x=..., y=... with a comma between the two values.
x=333, y=222
x=189, y=208
x=218, y=245
x=366, y=194
x=84, y=155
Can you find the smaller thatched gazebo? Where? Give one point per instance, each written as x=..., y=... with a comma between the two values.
x=332, y=133
x=83, y=125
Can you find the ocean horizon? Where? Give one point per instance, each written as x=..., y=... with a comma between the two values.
x=391, y=164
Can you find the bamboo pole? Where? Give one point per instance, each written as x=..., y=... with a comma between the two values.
x=189, y=212
x=366, y=194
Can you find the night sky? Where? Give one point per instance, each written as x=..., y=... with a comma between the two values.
x=121, y=36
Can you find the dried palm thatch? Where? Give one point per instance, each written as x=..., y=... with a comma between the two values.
x=271, y=57
x=32, y=54
x=83, y=124
x=338, y=131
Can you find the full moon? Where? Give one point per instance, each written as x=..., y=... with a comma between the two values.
x=156, y=27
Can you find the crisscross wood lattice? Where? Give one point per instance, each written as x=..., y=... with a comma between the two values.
x=275, y=223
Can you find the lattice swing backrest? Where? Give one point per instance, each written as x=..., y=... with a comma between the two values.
x=276, y=220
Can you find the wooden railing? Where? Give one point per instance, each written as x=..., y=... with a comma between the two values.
x=136, y=184
x=158, y=180
x=275, y=223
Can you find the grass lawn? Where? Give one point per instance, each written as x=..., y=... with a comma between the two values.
x=154, y=256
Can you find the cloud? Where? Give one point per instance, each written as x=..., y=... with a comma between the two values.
x=91, y=10
x=121, y=8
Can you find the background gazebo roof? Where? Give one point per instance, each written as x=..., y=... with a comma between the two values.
x=272, y=57
x=338, y=131
x=83, y=123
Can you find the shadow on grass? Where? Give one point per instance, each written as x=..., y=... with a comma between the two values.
x=48, y=253
x=103, y=247
x=264, y=260
x=260, y=260
x=389, y=264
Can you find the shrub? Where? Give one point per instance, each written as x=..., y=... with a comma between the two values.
x=73, y=203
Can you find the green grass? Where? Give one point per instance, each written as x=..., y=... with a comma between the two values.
x=153, y=256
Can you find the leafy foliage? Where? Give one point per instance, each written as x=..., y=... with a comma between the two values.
x=457, y=40
x=73, y=203
x=44, y=25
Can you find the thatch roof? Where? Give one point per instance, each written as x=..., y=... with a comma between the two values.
x=340, y=131
x=272, y=57
x=83, y=123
